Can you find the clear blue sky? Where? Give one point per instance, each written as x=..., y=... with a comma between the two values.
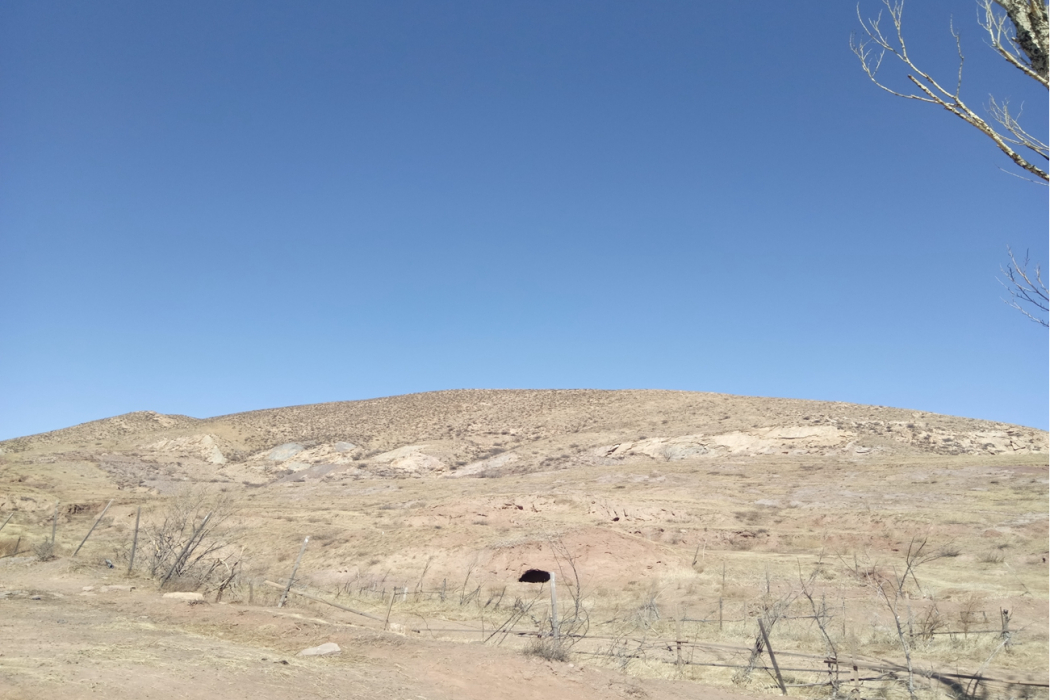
x=212, y=207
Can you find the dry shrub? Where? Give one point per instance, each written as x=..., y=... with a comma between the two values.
x=929, y=623
x=44, y=550
x=547, y=648
x=994, y=556
x=7, y=547
x=188, y=547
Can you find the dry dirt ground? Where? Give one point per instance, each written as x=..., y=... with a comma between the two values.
x=62, y=641
x=674, y=522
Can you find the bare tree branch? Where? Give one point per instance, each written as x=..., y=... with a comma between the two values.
x=1027, y=57
x=1027, y=290
x=1001, y=113
x=1030, y=59
x=1030, y=36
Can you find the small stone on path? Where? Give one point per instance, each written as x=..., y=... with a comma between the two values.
x=181, y=595
x=326, y=649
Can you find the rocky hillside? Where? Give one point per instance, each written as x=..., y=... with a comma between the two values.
x=495, y=432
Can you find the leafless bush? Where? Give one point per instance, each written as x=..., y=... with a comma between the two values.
x=894, y=594
x=45, y=550
x=648, y=613
x=576, y=622
x=772, y=612
x=188, y=547
x=949, y=551
x=548, y=648
x=820, y=613
x=992, y=557
x=519, y=610
x=970, y=612
x=930, y=623
x=364, y=583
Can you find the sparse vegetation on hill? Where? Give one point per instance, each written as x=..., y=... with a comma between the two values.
x=674, y=521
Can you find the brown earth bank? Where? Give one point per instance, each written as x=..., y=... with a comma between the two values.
x=864, y=538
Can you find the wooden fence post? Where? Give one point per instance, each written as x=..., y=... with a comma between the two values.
x=6, y=521
x=721, y=595
x=772, y=658
x=93, y=526
x=386, y=622
x=134, y=541
x=291, y=579
x=54, y=524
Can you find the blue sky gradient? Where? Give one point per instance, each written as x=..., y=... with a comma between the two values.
x=215, y=207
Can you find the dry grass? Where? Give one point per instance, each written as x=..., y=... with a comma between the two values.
x=658, y=545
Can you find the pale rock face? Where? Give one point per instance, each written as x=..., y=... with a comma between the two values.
x=283, y=453
x=742, y=443
x=683, y=448
x=671, y=449
x=979, y=441
x=761, y=441
x=660, y=448
x=811, y=434
x=399, y=453
x=327, y=649
x=499, y=460
x=200, y=446
x=160, y=418
x=295, y=465
x=410, y=459
x=297, y=457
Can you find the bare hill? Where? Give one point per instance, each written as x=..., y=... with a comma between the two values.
x=494, y=432
x=674, y=521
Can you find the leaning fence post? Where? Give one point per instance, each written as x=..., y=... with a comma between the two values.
x=54, y=524
x=772, y=658
x=134, y=541
x=93, y=526
x=284, y=596
x=6, y=521
x=721, y=594
x=386, y=622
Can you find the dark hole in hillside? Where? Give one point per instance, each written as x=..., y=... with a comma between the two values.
x=535, y=576
x=616, y=519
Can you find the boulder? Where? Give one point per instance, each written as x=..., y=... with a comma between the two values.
x=326, y=649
